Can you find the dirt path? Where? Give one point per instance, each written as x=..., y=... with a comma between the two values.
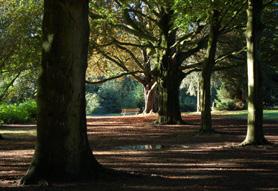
x=168, y=157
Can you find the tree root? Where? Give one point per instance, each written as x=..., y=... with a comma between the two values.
x=32, y=177
x=255, y=142
x=40, y=177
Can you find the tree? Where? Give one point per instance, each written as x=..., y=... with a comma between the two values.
x=153, y=26
x=221, y=20
x=20, y=40
x=254, y=30
x=178, y=52
x=208, y=66
x=177, y=42
x=170, y=76
x=120, y=52
x=62, y=150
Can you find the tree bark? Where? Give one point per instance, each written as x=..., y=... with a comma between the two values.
x=62, y=150
x=255, y=134
x=170, y=75
x=150, y=96
x=205, y=82
x=168, y=98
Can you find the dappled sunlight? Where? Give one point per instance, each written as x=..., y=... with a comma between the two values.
x=174, y=156
x=18, y=132
x=13, y=164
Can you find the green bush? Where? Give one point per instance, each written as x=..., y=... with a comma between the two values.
x=92, y=103
x=114, y=95
x=25, y=112
x=225, y=104
x=226, y=101
x=109, y=98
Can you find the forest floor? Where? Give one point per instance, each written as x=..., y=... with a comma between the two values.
x=158, y=158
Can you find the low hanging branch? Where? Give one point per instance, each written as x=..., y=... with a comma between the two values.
x=113, y=78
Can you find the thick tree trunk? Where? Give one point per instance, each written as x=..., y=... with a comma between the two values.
x=62, y=150
x=150, y=96
x=254, y=29
x=170, y=75
x=168, y=98
x=205, y=81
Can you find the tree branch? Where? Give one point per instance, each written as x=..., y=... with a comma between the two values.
x=195, y=65
x=201, y=44
x=132, y=56
x=117, y=61
x=135, y=45
x=225, y=27
x=230, y=54
x=9, y=85
x=113, y=78
x=131, y=30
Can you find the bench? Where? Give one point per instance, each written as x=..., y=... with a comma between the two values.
x=130, y=111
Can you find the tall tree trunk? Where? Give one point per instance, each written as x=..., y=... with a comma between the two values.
x=254, y=29
x=170, y=75
x=62, y=151
x=205, y=81
x=150, y=96
x=168, y=98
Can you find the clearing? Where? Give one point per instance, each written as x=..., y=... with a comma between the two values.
x=168, y=157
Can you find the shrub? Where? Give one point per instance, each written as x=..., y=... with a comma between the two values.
x=225, y=104
x=226, y=101
x=92, y=103
x=25, y=112
x=111, y=96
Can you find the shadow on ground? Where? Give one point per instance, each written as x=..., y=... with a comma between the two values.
x=166, y=157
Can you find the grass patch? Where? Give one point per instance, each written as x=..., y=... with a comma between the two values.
x=269, y=114
x=19, y=133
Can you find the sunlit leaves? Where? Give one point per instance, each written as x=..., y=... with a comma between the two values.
x=20, y=38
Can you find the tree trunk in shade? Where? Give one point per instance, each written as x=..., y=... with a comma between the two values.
x=205, y=82
x=62, y=150
x=168, y=98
